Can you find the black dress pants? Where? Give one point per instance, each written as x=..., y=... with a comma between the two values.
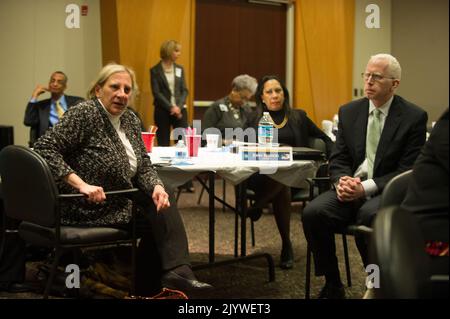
x=163, y=243
x=165, y=121
x=325, y=216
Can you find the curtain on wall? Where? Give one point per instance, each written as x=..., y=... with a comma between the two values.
x=323, y=56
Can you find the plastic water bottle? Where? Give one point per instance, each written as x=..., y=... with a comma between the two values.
x=265, y=129
x=180, y=150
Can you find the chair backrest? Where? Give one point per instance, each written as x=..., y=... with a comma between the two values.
x=320, y=145
x=6, y=136
x=398, y=248
x=317, y=144
x=29, y=190
x=395, y=190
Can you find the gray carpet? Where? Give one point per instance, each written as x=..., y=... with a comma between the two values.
x=249, y=279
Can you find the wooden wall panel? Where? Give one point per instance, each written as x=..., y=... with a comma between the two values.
x=217, y=49
x=323, y=56
x=236, y=37
x=142, y=26
x=110, y=34
x=263, y=43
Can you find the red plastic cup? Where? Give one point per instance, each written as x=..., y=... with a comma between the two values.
x=148, y=139
x=193, y=143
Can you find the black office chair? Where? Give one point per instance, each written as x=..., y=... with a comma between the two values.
x=320, y=182
x=399, y=254
x=31, y=196
x=398, y=248
x=395, y=190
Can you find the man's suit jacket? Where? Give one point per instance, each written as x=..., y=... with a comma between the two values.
x=160, y=87
x=37, y=116
x=428, y=185
x=403, y=136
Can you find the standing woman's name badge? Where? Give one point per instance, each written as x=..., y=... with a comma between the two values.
x=178, y=72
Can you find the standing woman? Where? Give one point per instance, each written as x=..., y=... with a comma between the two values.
x=294, y=129
x=169, y=92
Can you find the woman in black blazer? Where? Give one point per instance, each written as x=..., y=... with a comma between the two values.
x=294, y=129
x=169, y=92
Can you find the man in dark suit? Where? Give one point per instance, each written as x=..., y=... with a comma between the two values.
x=427, y=197
x=41, y=115
x=378, y=137
x=428, y=186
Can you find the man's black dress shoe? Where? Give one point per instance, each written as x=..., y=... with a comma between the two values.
x=17, y=287
x=330, y=291
x=174, y=281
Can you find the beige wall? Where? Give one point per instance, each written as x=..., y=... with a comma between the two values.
x=369, y=41
x=35, y=42
x=420, y=41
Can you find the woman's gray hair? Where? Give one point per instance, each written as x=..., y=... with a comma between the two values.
x=244, y=82
x=167, y=48
x=109, y=70
x=394, y=69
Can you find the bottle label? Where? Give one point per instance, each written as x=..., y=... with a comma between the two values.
x=180, y=154
x=265, y=133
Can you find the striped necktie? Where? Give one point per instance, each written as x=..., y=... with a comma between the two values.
x=59, y=109
x=372, y=139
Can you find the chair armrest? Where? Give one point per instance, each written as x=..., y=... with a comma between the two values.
x=117, y=192
x=322, y=183
x=361, y=229
x=321, y=179
x=439, y=278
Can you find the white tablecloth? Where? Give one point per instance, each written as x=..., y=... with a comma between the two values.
x=230, y=167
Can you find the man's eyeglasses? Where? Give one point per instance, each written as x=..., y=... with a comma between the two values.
x=375, y=77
